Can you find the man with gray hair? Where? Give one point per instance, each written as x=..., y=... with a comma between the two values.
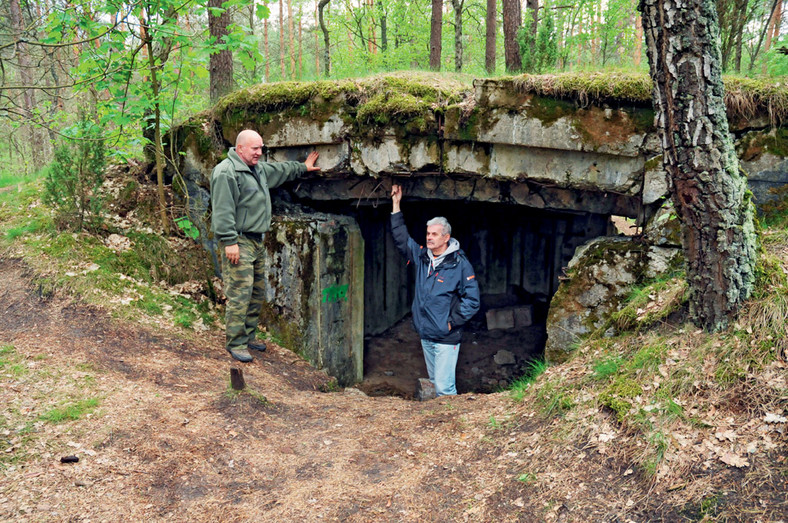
x=241, y=206
x=446, y=297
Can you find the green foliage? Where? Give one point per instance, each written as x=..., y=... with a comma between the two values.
x=540, y=51
x=527, y=477
x=11, y=362
x=519, y=386
x=650, y=302
x=188, y=228
x=71, y=411
x=554, y=398
x=77, y=173
x=607, y=367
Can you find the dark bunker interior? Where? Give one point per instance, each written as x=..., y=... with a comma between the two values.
x=518, y=254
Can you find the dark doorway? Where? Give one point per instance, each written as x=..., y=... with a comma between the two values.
x=518, y=254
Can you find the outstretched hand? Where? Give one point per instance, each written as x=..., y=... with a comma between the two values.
x=310, y=161
x=396, y=197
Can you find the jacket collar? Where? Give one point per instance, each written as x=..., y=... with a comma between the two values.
x=238, y=164
x=450, y=260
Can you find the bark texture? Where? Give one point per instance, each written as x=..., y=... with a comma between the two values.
x=220, y=65
x=326, y=41
x=512, y=20
x=436, y=26
x=709, y=193
x=491, y=23
x=458, y=6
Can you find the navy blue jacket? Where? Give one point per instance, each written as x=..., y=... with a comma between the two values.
x=450, y=295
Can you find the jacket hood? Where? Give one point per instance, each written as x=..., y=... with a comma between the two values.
x=454, y=246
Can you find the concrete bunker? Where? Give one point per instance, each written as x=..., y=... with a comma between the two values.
x=523, y=177
x=518, y=253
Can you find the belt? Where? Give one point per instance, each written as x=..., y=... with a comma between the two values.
x=256, y=236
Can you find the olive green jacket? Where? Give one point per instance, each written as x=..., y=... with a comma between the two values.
x=240, y=199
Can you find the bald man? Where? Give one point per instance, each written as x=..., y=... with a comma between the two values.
x=241, y=206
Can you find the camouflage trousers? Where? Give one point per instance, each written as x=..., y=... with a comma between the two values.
x=243, y=286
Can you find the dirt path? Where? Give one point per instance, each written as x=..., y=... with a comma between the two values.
x=168, y=443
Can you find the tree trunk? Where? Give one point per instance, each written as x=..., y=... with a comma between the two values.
x=436, y=26
x=709, y=193
x=772, y=33
x=155, y=87
x=512, y=20
x=26, y=79
x=765, y=29
x=458, y=5
x=253, y=71
x=267, y=51
x=491, y=23
x=741, y=22
x=384, y=37
x=638, y=38
x=372, y=43
x=282, y=39
x=300, y=42
x=327, y=51
x=291, y=46
x=317, y=46
x=220, y=64
x=533, y=5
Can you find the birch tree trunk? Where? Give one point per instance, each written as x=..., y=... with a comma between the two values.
x=458, y=6
x=326, y=42
x=709, y=193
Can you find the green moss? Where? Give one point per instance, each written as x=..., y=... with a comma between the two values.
x=550, y=110
x=285, y=333
x=618, y=394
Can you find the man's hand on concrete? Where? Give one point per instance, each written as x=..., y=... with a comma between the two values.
x=310, y=161
x=396, y=197
x=233, y=253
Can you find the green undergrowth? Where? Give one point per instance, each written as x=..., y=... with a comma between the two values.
x=133, y=283
x=658, y=377
x=50, y=399
x=650, y=302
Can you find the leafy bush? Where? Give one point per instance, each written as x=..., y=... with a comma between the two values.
x=540, y=51
x=77, y=173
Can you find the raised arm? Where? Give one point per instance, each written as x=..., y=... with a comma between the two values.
x=396, y=197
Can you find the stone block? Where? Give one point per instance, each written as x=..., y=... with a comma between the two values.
x=504, y=357
x=500, y=319
x=523, y=316
x=425, y=390
x=510, y=317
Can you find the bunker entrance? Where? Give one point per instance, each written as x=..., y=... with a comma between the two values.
x=518, y=254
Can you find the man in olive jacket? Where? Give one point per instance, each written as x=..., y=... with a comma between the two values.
x=241, y=207
x=446, y=297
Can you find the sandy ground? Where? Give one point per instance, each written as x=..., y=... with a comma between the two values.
x=169, y=442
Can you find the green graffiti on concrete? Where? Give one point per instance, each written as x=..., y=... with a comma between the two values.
x=335, y=293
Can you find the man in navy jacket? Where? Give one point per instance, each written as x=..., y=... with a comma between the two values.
x=446, y=297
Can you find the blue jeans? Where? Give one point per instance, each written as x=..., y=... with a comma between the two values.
x=441, y=360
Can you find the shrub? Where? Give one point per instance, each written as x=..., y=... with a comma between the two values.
x=77, y=173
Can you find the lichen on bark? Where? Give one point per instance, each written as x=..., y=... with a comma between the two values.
x=709, y=193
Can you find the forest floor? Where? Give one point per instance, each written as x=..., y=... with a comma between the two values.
x=103, y=362
x=162, y=437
